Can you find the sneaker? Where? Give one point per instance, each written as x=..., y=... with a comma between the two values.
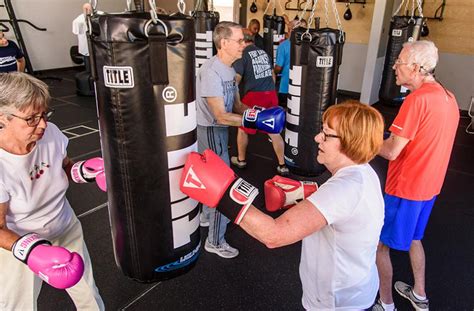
x=378, y=306
x=406, y=291
x=283, y=170
x=237, y=162
x=202, y=221
x=224, y=250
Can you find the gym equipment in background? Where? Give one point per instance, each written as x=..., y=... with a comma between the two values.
x=143, y=68
x=402, y=29
x=316, y=55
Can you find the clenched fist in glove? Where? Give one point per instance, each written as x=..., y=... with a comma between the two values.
x=54, y=264
x=90, y=171
x=207, y=179
x=271, y=120
x=281, y=192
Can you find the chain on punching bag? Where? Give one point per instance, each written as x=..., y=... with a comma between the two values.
x=402, y=29
x=273, y=31
x=204, y=24
x=144, y=75
x=316, y=55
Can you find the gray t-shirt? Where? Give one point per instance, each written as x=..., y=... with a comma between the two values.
x=214, y=79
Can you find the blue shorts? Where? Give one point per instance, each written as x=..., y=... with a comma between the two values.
x=405, y=221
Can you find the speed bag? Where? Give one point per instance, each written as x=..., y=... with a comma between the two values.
x=145, y=93
x=314, y=69
x=273, y=34
x=402, y=29
x=204, y=24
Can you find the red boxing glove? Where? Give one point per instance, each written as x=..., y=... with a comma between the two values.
x=207, y=179
x=54, y=264
x=90, y=171
x=282, y=192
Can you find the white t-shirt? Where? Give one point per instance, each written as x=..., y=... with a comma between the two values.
x=79, y=28
x=337, y=267
x=35, y=184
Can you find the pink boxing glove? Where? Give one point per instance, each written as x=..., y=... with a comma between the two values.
x=54, y=264
x=89, y=171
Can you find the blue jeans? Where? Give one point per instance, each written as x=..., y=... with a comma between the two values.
x=216, y=139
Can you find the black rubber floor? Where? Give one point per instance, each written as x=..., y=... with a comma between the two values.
x=259, y=278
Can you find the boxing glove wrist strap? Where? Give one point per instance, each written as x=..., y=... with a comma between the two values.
x=249, y=118
x=78, y=175
x=237, y=200
x=23, y=246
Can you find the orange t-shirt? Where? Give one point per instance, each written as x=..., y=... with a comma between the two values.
x=429, y=118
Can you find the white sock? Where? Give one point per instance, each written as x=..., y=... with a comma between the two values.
x=388, y=307
x=418, y=296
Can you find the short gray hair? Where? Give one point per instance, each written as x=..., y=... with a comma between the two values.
x=423, y=53
x=223, y=30
x=21, y=91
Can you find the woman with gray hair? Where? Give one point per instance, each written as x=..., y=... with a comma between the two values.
x=419, y=148
x=38, y=228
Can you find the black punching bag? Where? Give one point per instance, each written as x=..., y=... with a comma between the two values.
x=273, y=34
x=144, y=75
x=314, y=68
x=204, y=24
x=402, y=29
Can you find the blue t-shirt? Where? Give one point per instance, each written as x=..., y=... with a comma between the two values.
x=8, y=56
x=283, y=61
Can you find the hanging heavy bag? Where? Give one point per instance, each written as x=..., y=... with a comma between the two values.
x=144, y=75
x=315, y=59
x=273, y=34
x=204, y=24
x=402, y=29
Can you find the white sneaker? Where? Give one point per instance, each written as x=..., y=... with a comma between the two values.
x=202, y=221
x=224, y=250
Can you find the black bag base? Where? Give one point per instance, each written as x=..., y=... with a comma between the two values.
x=84, y=84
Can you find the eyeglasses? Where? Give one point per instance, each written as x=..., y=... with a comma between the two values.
x=35, y=120
x=325, y=135
x=240, y=41
x=399, y=62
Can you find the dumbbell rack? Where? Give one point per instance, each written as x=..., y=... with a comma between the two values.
x=14, y=22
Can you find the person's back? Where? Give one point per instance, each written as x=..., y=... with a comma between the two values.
x=424, y=160
x=256, y=70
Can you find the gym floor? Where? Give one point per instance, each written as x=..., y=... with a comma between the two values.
x=259, y=278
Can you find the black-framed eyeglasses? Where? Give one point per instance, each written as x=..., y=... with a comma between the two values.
x=325, y=135
x=35, y=120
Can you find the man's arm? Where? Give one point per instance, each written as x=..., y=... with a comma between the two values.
x=292, y=226
x=218, y=110
x=20, y=64
x=7, y=237
x=277, y=69
x=393, y=146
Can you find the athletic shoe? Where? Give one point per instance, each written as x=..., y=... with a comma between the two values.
x=224, y=250
x=406, y=291
x=283, y=170
x=237, y=162
x=202, y=221
x=378, y=306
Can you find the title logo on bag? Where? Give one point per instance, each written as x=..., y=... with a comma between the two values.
x=324, y=61
x=397, y=33
x=169, y=94
x=118, y=77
